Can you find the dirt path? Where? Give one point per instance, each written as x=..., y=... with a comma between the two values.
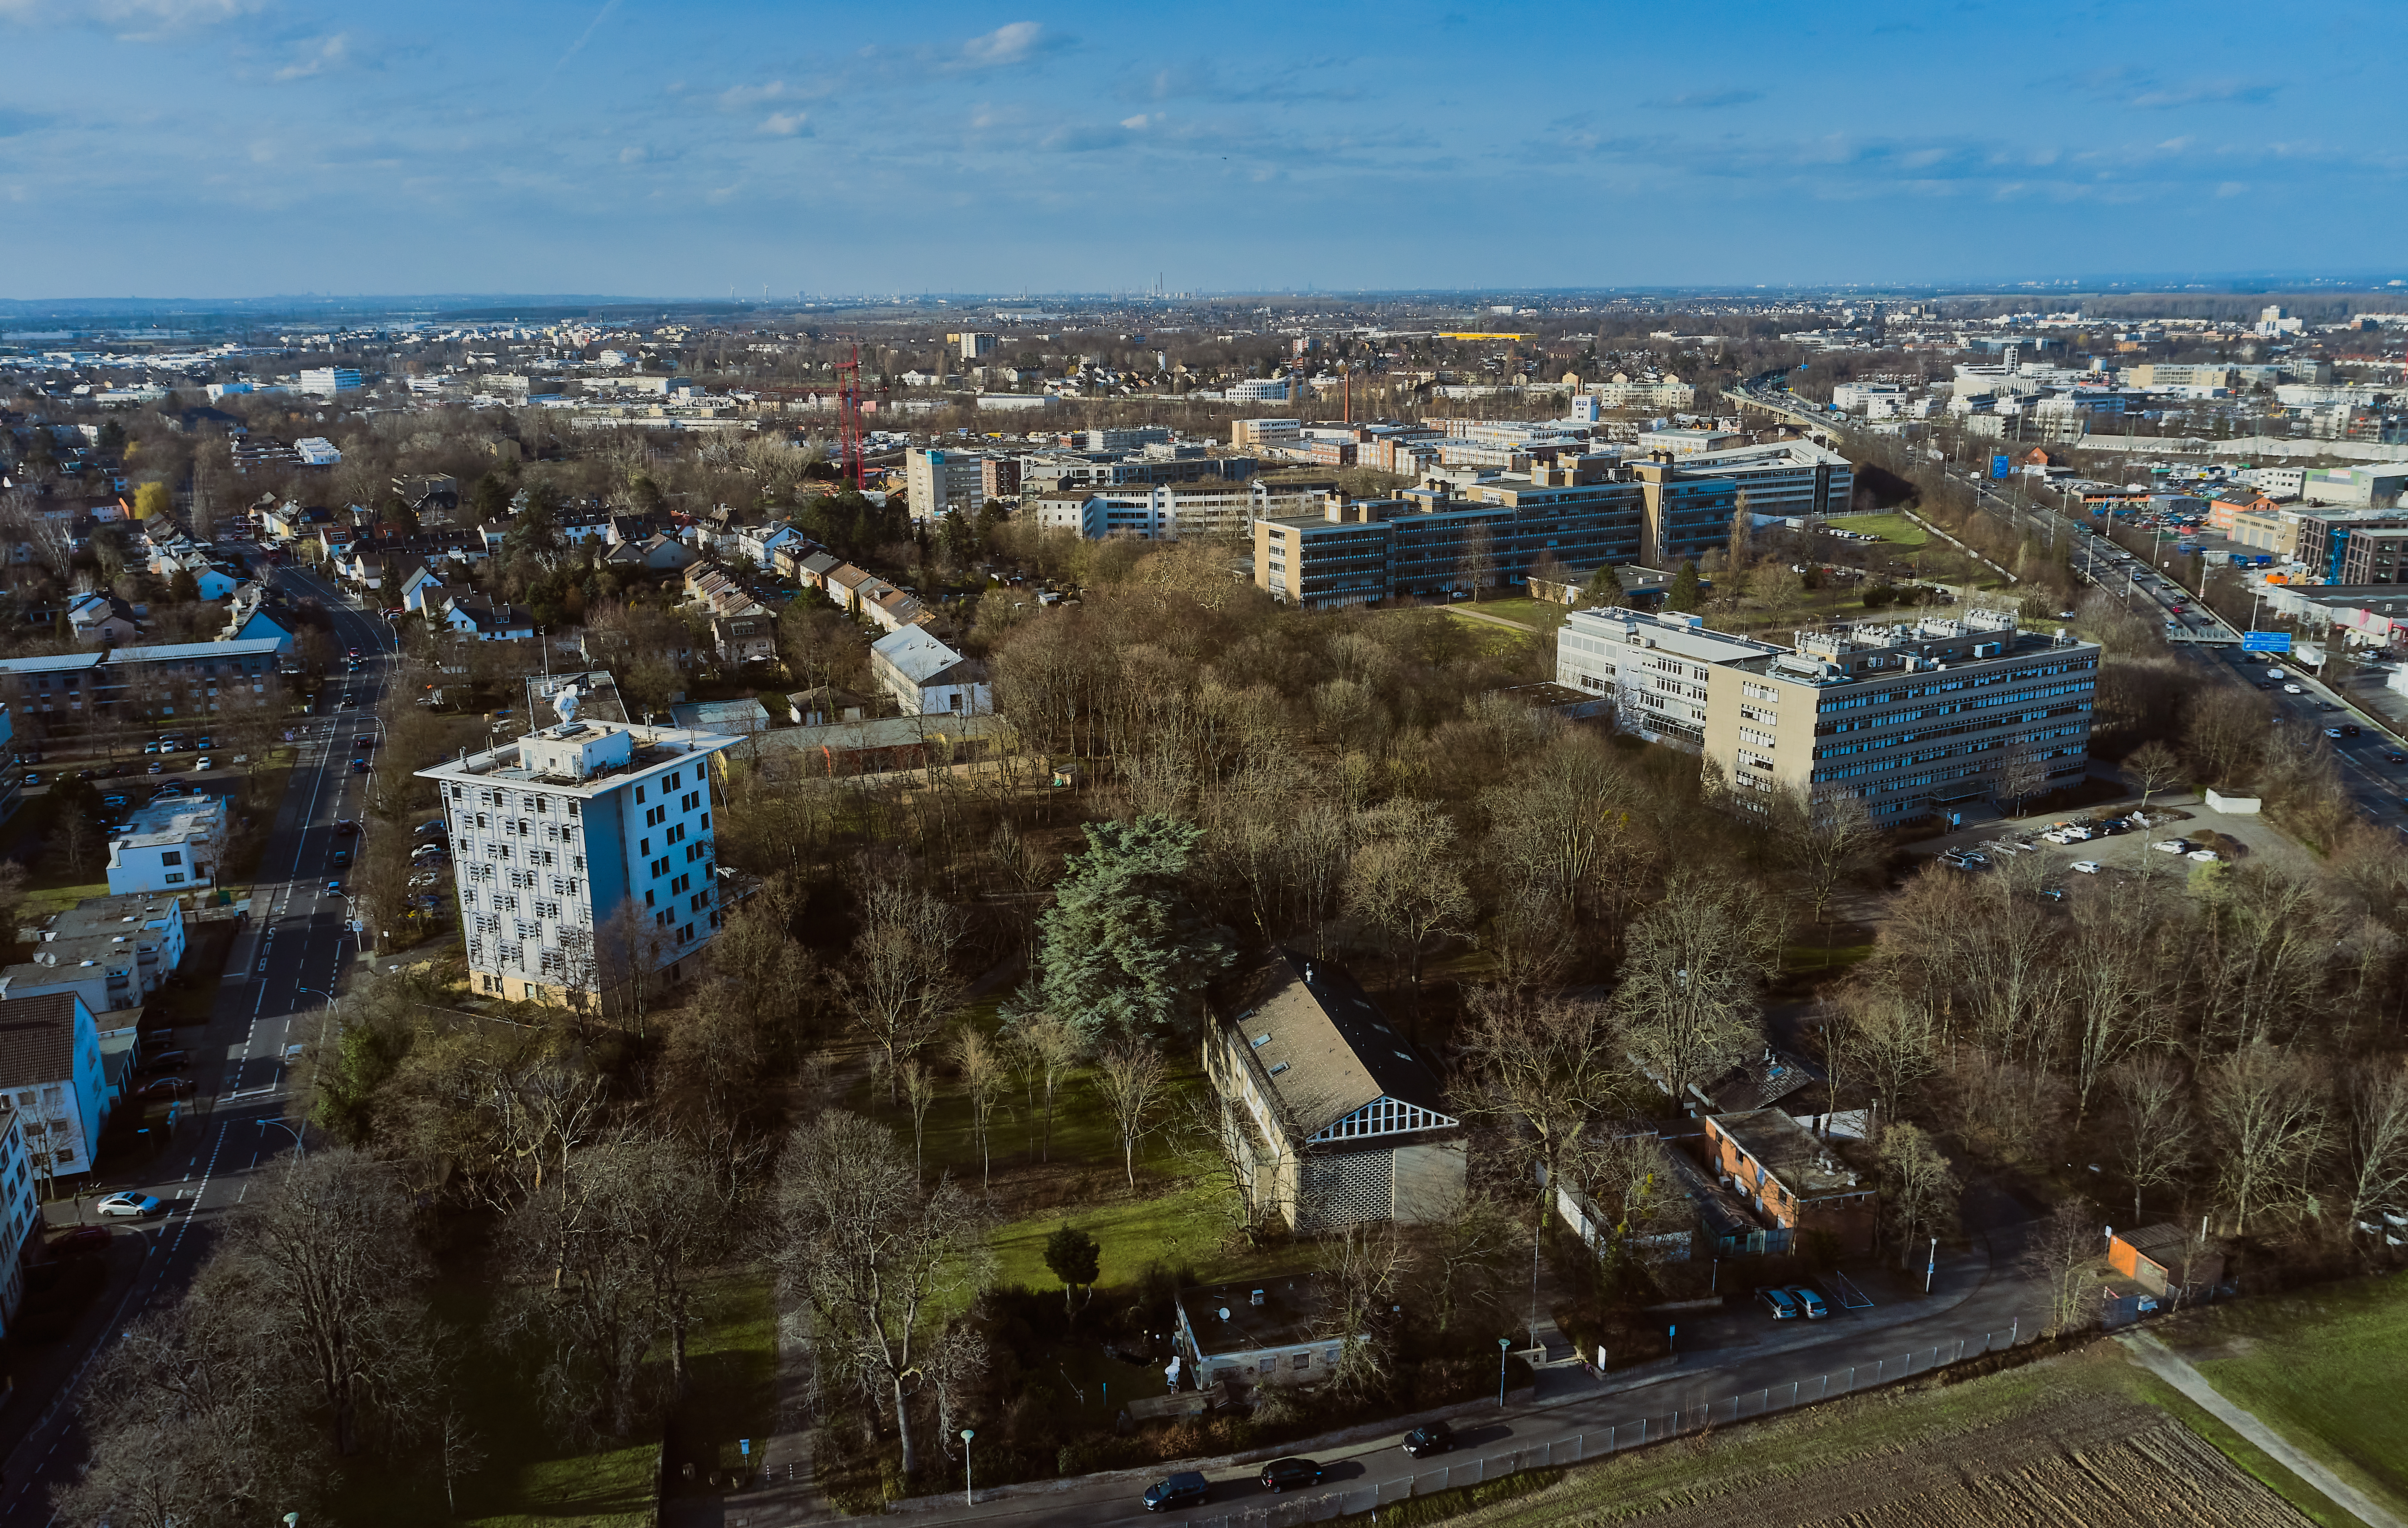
x=1470, y=614
x=2170, y=1367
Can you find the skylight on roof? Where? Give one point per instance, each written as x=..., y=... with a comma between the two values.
x=1279, y=1067
x=1262, y=1040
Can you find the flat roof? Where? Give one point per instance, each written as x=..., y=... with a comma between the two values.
x=656, y=748
x=1287, y=1318
x=1804, y=1163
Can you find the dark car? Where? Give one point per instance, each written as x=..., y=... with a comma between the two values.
x=1781, y=1302
x=81, y=1239
x=166, y=1088
x=344, y=828
x=2393, y=756
x=1807, y=1299
x=1437, y=1438
x=2349, y=729
x=342, y=857
x=1185, y=1488
x=1281, y=1473
x=166, y=1060
x=359, y=766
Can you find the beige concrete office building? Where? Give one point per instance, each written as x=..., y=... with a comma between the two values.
x=1913, y=717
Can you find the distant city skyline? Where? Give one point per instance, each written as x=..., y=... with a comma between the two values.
x=249, y=148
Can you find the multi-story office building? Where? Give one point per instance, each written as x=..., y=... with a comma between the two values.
x=182, y=682
x=937, y=479
x=974, y=347
x=2324, y=538
x=330, y=381
x=2375, y=555
x=1910, y=718
x=584, y=856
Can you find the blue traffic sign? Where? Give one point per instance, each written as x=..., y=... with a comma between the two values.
x=2265, y=642
x=1999, y=466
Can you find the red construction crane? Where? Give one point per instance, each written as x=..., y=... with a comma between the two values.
x=848, y=421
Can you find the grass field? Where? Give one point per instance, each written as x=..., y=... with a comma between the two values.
x=2084, y=1438
x=1543, y=614
x=1897, y=529
x=2322, y=1369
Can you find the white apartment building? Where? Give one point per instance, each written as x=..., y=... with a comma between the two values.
x=329, y=381
x=1257, y=390
x=926, y=678
x=1165, y=512
x=583, y=851
x=50, y=1071
x=173, y=844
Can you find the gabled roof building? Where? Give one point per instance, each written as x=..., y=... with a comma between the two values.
x=1345, y=1122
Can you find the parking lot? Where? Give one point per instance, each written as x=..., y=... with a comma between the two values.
x=2127, y=854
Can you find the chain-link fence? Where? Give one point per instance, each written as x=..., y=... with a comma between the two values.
x=1325, y=1503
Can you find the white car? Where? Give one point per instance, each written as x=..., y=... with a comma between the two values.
x=2205, y=857
x=202, y=763
x=2172, y=845
x=130, y=1206
x=2293, y=690
x=2087, y=867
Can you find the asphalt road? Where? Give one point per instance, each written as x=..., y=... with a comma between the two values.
x=273, y=997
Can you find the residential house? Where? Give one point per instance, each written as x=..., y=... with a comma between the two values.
x=927, y=678
x=128, y=946
x=474, y=616
x=51, y=1069
x=654, y=553
x=750, y=638
x=254, y=613
x=1342, y=1116
x=103, y=620
x=891, y=609
x=759, y=544
x=825, y=705
x=430, y=496
x=174, y=844
x=1792, y=1177
x=814, y=567
x=419, y=588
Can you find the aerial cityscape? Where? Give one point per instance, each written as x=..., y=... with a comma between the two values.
x=773, y=766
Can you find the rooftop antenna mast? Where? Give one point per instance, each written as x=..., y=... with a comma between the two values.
x=848, y=420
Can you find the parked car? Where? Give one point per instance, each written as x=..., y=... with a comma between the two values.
x=81, y=1239
x=113, y=803
x=166, y=1088
x=32, y=779
x=2205, y=857
x=1281, y=1473
x=1781, y=1302
x=1436, y=1439
x=166, y=1060
x=2087, y=867
x=1185, y=1488
x=156, y=768
x=1809, y=1300
x=424, y=828
x=2172, y=845
x=131, y=1207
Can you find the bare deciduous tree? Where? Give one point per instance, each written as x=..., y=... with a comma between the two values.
x=2374, y=1139
x=983, y=1078
x=872, y=1255
x=2060, y=1255
x=1131, y=1075
x=1696, y=962
x=1404, y=881
x=1918, y=1182
x=2154, y=1133
x=2266, y=1112
x=902, y=982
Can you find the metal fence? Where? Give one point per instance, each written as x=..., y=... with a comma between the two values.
x=1455, y=1471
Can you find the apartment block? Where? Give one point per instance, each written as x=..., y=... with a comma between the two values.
x=1912, y=717
x=937, y=479
x=582, y=854
x=2373, y=555
x=2324, y=536
x=328, y=381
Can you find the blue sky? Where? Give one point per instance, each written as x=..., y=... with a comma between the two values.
x=233, y=148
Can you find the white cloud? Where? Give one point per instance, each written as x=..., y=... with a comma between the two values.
x=1134, y=123
x=318, y=56
x=634, y=155
x=1008, y=44
x=135, y=19
x=783, y=124
x=737, y=97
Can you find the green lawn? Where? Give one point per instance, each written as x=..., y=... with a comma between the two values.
x=1897, y=529
x=2321, y=1368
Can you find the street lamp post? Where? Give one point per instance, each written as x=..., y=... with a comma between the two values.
x=1504, y=1345
x=969, y=1496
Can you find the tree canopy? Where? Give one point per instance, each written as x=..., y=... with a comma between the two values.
x=1124, y=950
